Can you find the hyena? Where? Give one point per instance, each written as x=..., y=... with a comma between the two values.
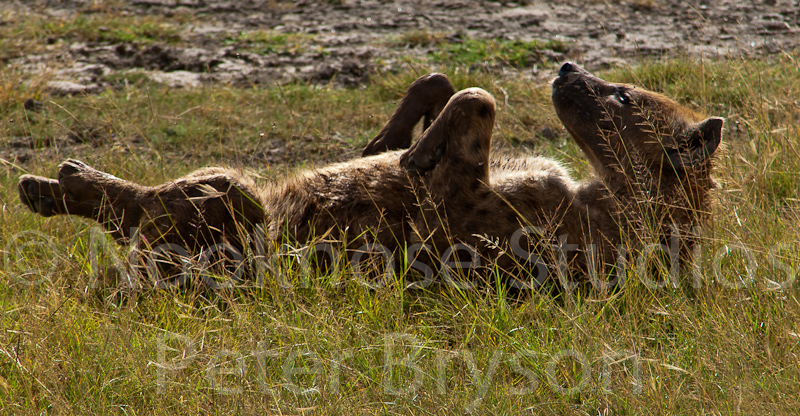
x=445, y=194
x=653, y=163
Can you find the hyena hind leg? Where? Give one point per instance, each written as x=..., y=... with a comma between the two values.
x=210, y=216
x=86, y=192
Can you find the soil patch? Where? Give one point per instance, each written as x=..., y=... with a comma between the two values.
x=265, y=41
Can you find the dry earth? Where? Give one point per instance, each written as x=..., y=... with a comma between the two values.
x=269, y=42
x=345, y=41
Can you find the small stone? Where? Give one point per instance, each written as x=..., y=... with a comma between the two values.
x=32, y=105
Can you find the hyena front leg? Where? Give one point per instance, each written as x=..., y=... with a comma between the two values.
x=452, y=159
x=425, y=99
x=453, y=154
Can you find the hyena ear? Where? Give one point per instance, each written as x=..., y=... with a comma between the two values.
x=701, y=142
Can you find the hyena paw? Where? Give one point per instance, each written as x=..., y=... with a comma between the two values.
x=84, y=183
x=41, y=195
x=72, y=166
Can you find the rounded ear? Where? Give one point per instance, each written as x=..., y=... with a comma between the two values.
x=701, y=142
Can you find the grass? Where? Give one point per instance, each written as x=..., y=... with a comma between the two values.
x=27, y=35
x=515, y=53
x=460, y=50
x=68, y=346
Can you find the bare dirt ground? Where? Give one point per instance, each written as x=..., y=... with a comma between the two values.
x=346, y=41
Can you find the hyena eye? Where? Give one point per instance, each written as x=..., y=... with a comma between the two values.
x=623, y=96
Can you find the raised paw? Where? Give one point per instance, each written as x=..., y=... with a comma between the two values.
x=41, y=195
x=463, y=130
x=425, y=99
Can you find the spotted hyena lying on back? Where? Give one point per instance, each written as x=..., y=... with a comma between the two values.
x=444, y=196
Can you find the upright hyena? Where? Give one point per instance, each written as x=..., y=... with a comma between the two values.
x=652, y=158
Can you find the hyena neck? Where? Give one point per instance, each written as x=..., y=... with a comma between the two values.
x=662, y=204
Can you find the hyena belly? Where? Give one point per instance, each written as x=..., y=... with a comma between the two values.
x=363, y=201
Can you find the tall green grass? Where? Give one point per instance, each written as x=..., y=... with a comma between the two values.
x=70, y=344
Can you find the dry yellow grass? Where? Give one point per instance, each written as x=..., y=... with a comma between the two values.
x=69, y=344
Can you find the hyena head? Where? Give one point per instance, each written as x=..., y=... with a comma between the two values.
x=639, y=142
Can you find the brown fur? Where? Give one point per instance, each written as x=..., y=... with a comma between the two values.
x=648, y=152
x=425, y=98
x=653, y=158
